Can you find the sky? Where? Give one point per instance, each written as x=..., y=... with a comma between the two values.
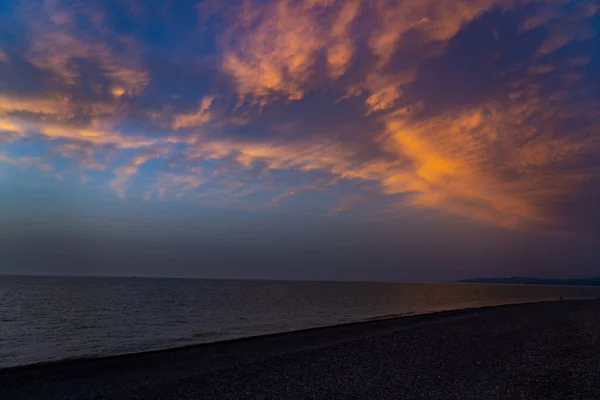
x=300, y=139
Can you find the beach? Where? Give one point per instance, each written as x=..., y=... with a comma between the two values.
x=547, y=350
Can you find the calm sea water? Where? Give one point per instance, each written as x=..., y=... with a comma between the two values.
x=48, y=318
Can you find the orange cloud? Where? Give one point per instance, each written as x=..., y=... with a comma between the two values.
x=272, y=49
x=385, y=90
x=341, y=49
x=200, y=117
x=8, y=130
x=50, y=116
x=490, y=162
x=96, y=135
x=57, y=105
x=448, y=158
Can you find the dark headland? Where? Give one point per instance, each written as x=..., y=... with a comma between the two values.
x=527, y=280
x=532, y=351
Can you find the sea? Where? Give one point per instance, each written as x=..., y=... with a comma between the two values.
x=45, y=319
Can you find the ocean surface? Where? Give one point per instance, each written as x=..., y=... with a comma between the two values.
x=53, y=318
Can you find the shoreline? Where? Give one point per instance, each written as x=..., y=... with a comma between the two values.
x=538, y=350
x=49, y=364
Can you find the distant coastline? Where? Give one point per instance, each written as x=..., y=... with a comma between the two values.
x=525, y=280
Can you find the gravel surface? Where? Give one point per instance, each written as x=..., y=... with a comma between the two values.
x=531, y=351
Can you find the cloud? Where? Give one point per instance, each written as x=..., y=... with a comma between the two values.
x=541, y=17
x=125, y=172
x=98, y=135
x=72, y=46
x=437, y=21
x=501, y=162
x=177, y=183
x=384, y=90
x=341, y=50
x=576, y=26
x=57, y=115
x=448, y=167
x=8, y=131
x=553, y=43
x=271, y=49
x=304, y=156
x=52, y=105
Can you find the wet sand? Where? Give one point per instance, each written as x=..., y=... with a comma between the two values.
x=530, y=351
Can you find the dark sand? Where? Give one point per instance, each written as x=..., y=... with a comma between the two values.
x=532, y=351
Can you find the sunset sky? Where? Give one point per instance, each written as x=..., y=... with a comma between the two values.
x=316, y=139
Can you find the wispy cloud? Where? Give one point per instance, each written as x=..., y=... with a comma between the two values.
x=200, y=117
x=125, y=172
x=60, y=46
x=26, y=162
x=87, y=154
x=178, y=184
x=59, y=52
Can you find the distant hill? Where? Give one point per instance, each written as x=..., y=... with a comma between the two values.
x=525, y=280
